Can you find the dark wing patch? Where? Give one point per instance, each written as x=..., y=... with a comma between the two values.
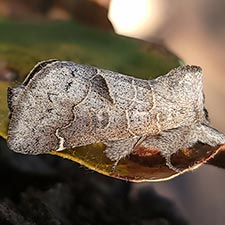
x=99, y=85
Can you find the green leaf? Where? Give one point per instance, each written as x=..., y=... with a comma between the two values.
x=3, y=109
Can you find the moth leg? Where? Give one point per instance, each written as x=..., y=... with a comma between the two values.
x=169, y=142
x=116, y=150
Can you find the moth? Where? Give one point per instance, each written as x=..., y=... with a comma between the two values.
x=62, y=105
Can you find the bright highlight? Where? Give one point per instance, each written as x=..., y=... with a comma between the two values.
x=133, y=17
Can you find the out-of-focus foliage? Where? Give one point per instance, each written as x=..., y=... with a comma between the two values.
x=90, y=12
x=24, y=44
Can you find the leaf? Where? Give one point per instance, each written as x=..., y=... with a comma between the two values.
x=140, y=167
x=3, y=109
x=22, y=45
x=219, y=159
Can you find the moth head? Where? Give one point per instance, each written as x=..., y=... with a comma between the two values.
x=189, y=77
x=194, y=88
x=182, y=90
x=182, y=84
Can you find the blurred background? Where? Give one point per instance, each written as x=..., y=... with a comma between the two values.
x=193, y=30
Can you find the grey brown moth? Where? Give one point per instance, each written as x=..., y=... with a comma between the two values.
x=62, y=105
